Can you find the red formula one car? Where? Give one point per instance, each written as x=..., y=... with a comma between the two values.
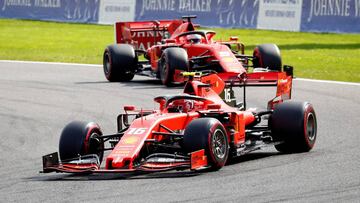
x=193, y=130
x=174, y=46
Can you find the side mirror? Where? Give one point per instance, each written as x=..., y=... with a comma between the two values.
x=129, y=108
x=234, y=38
x=213, y=106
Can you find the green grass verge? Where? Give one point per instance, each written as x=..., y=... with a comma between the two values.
x=50, y=41
x=314, y=55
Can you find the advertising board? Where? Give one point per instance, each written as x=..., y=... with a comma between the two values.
x=280, y=15
x=289, y=15
x=85, y=11
x=112, y=11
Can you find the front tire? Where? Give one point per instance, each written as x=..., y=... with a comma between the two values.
x=172, y=58
x=119, y=62
x=80, y=138
x=208, y=134
x=295, y=125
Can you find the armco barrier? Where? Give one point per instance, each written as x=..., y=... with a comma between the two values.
x=292, y=15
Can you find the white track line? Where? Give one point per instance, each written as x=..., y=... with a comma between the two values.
x=51, y=63
x=328, y=81
x=95, y=65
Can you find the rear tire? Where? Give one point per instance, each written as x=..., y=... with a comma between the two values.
x=208, y=134
x=80, y=138
x=294, y=124
x=172, y=58
x=119, y=62
x=267, y=56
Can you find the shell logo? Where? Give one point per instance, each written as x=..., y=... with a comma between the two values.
x=130, y=140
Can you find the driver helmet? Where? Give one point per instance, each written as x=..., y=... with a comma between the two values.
x=194, y=38
x=188, y=105
x=182, y=106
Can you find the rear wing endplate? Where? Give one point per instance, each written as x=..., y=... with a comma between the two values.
x=144, y=34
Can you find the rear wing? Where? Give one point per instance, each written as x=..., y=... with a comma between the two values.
x=144, y=34
x=223, y=83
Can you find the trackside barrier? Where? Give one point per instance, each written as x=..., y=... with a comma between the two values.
x=84, y=11
x=290, y=15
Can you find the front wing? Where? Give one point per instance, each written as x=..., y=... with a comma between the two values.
x=153, y=163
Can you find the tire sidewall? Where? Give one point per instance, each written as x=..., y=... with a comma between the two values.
x=309, y=112
x=289, y=125
x=165, y=71
x=92, y=132
x=171, y=59
x=107, y=64
x=122, y=62
x=198, y=135
x=216, y=161
x=75, y=139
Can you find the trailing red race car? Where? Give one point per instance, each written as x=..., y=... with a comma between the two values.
x=170, y=47
x=193, y=130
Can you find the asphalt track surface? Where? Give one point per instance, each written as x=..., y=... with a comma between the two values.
x=38, y=100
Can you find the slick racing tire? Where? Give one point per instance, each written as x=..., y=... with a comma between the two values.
x=294, y=125
x=172, y=58
x=80, y=138
x=119, y=62
x=267, y=56
x=208, y=134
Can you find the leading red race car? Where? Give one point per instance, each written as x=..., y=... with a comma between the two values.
x=170, y=47
x=193, y=130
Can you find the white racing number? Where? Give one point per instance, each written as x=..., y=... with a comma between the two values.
x=136, y=131
x=227, y=95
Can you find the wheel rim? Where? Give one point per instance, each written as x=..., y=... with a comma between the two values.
x=95, y=145
x=311, y=127
x=219, y=144
x=107, y=63
x=164, y=71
